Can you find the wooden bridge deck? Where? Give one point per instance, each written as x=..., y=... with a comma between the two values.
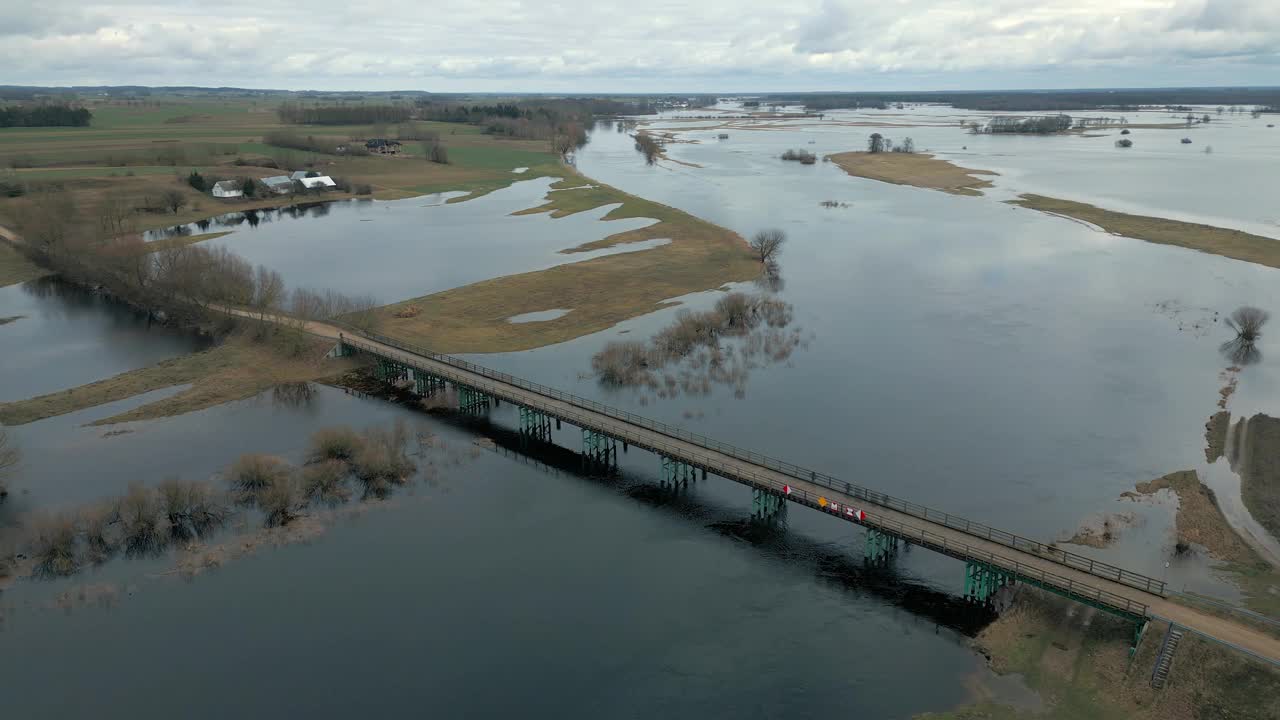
x=1074, y=575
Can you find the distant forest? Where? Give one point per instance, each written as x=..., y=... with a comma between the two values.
x=1048, y=100
x=562, y=121
x=44, y=116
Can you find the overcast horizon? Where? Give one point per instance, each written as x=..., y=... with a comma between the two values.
x=664, y=46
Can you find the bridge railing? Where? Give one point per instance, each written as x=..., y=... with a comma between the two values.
x=955, y=522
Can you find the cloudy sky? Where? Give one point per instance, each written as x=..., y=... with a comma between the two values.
x=653, y=46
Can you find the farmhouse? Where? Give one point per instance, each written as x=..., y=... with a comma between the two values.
x=227, y=189
x=383, y=146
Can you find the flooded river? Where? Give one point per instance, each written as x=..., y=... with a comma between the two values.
x=1017, y=368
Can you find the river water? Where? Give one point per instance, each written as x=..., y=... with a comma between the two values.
x=1017, y=368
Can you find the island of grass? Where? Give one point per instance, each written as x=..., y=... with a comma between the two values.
x=599, y=292
x=916, y=169
x=1234, y=244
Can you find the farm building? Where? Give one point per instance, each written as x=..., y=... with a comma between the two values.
x=321, y=182
x=278, y=184
x=382, y=146
x=298, y=174
x=227, y=189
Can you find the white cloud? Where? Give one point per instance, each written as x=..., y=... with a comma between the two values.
x=592, y=45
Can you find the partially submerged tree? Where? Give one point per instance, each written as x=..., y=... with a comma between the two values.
x=767, y=243
x=1243, y=349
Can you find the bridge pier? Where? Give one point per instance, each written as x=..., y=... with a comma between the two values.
x=390, y=371
x=425, y=384
x=982, y=581
x=599, y=452
x=676, y=473
x=534, y=425
x=768, y=506
x=880, y=547
x=471, y=400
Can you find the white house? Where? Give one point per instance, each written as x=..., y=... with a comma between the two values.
x=227, y=189
x=278, y=184
x=322, y=182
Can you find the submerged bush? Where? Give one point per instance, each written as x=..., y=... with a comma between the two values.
x=326, y=482
x=144, y=526
x=191, y=508
x=382, y=460
x=621, y=363
x=99, y=524
x=335, y=443
x=252, y=474
x=53, y=545
x=281, y=500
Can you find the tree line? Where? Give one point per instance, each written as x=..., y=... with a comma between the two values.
x=44, y=116
x=102, y=248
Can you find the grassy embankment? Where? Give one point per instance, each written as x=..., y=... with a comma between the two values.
x=1077, y=660
x=916, y=169
x=1205, y=238
x=599, y=292
x=921, y=170
x=239, y=368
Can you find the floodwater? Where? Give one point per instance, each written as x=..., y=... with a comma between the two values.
x=405, y=248
x=1013, y=367
x=66, y=336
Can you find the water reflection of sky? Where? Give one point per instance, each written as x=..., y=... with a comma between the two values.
x=67, y=336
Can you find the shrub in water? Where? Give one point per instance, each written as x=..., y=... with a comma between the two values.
x=281, y=500
x=326, y=482
x=252, y=474
x=53, y=545
x=191, y=508
x=143, y=524
x=335, y=443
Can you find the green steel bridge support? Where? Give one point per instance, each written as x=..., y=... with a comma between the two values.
x=599, y=452
x=390, y=371
x=880, y=547
x=768, y=506
x=471, y=400
x=534, y=425
x=677, y=474
x=981, y=581
x=425, y=384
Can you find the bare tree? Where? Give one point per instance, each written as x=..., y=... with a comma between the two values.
x=174, y=200
x=876, y=143
x=1247, y=322
x=767, y=243
x=268, y=291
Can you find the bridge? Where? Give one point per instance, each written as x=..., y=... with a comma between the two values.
x=993, y=558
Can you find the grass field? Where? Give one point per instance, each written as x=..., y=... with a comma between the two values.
x=599, y=292
x=915, y=169
x=135, y=151
x=1205, y=238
